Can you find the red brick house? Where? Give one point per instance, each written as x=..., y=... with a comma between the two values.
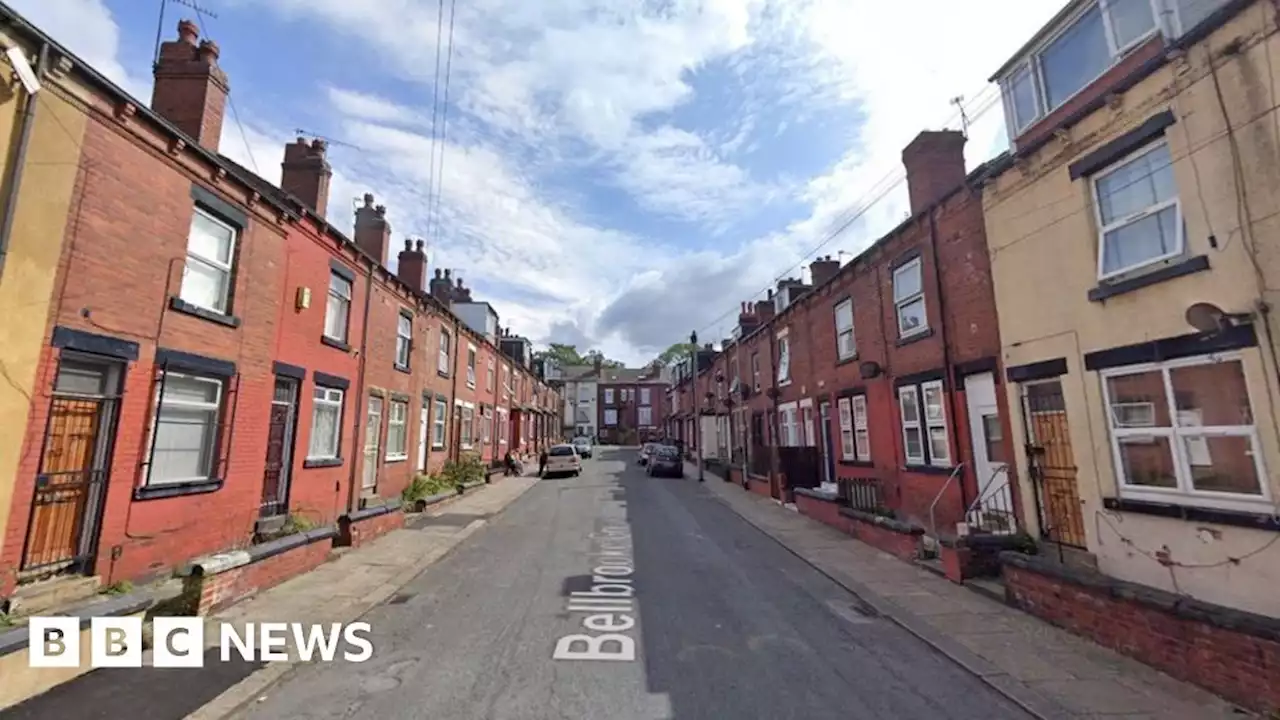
x=220, y=358
x=631, y=405
x=888, y=366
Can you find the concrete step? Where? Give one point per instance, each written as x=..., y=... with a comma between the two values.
x=42, y=596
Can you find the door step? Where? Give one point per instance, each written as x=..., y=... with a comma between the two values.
x=41, y=596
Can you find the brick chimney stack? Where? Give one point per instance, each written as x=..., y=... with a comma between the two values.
x=412, y=269
x=823, y=269
x=748, y=319
x=935, y=166
x=764, y=309
x=442, y=286
x=190, y=89
x=305, y=173
x=373, y=232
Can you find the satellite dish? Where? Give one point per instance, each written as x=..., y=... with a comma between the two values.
x=1206, y=317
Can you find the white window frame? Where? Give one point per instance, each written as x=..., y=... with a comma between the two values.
x=784, y=358
x=1175, y=203
x=607, y=415
x=439, y=424
x=608, y=396
x=486, y=426
x=506, y=381
x=490, y=376
x=938, y=422
x=914, y=265
x=465, y=433
x=755, y=370
x=502, y=426
x=846, y=344
x=442, y=361
x=223, y=304
x=404, y=339
x=213, y=410
x=918, y=424
x=326, y=397
x=787, y=425
x=395, y=426
x=1034, y=65
x=472, y=359
x=645, y=416
x=844, y=409
x=646, y=398
x=1185, y=493
x=861, y=428
x=344, y=300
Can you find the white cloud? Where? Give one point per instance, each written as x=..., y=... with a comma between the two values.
x=371, y=107
x=87, y=29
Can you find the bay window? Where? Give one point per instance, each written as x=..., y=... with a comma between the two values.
x=1183, y=431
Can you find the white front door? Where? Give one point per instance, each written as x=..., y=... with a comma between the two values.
x=423, y=425
x=372, y=434
x=994, y=512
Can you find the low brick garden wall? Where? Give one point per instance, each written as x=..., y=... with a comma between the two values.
x=368, y=524
x=892, y=536
x=1228, y=652
x=217, y=581
x=759, y=485
x=822, y=507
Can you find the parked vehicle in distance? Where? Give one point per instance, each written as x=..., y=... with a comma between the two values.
x=666, y=462
x=583, y=445
x=647, y=451
x=562, y=460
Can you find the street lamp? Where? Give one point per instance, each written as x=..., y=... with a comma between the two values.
x=697, y=414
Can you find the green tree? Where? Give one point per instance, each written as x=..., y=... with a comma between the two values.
x=566, y=355
x=675, y=353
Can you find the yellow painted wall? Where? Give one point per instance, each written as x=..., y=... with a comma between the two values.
x=28, y=282
x=1044, y=247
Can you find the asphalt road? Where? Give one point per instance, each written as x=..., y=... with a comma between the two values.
x=730, y=625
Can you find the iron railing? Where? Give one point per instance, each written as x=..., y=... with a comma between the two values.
x=933, y=506
x=992, y=512
x=861, y=494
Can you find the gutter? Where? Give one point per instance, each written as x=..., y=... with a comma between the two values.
x=19, y=160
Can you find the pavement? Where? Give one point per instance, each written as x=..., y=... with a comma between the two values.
x=730, y=624
x=1047, y=671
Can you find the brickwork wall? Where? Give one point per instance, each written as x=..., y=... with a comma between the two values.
x=211, y=593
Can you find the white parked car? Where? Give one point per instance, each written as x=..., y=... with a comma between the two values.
x=562, y=460
x=583, y=446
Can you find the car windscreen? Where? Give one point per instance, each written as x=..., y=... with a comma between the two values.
x=560, y=450
x=667, y=451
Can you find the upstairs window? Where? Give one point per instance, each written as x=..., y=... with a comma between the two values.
x=608, y=396
x=784, y=360
x=845, y=346
x=1139, y=218
x=908, y=298
x=471, y=366
x=1076, y=55
x=337, y=308
x=404, y=339
x=442, y=364
x=206, y=280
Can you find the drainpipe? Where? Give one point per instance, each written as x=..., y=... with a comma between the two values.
x=455, y=449
x=353, y=497
x=19, y=159
x=950, y=380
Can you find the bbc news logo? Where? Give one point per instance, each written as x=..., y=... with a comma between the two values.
x=179, y=642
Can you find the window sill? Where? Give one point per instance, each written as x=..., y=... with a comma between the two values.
x=321, y=463
x=845, y=361
x=857, y=463
x=928, y=469
x=784, y=383
x=1256, y=521
x=403, y=368
x=159, y=492
x=397, y=459
x=442, y=373
x=914, y=337
x=338, y=344
x=438, y=447
x=213, y=316
x=1190, y=266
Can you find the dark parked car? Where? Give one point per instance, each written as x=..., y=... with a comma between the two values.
x=666, y=462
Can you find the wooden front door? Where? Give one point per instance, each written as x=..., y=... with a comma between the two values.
x=280, y=434
x=62, y=533
x=372, y=444
x=1052, y=463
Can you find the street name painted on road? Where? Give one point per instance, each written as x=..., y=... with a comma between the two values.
x=608, y=606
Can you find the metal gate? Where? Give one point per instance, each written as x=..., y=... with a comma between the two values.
x=1052, y=463
x=74, y=463
x=280, y=432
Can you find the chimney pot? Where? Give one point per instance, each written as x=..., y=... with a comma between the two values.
x=446, y=273
x=188, y=32
x=419, y=245
x=209, y=51
x=408, y=245
x=437, y=273
x=372, y=231
x=459, y=283
x=368, y=199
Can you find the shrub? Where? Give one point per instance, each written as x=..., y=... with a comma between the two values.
x=465, y=470
x=423, y=487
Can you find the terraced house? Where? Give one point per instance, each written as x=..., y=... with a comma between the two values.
x=1133, y=236
x=204, y=361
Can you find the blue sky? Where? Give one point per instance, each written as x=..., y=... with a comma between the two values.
x=616, y=173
